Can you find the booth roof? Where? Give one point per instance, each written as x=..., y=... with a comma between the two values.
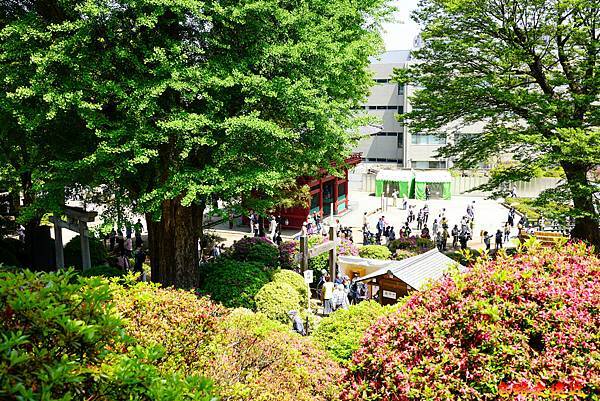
x=418, y=270
x=394, y=175
x=433, y=176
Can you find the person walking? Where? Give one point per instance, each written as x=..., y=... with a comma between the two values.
x=420, y=219
x=486, y=240
x=140, y=258
x=425, y=214
x=511, y=216
x=297, y=324
x=506, y=232
x=463, y=238
x=455, y=236
x=339, y=298
x=427, y=192
x=395, y=198
x=137, y=229
x=498, y=239
x=128, y=245
x=445, y=236
x=435, y=228
x=327, y=294
x=380, y=226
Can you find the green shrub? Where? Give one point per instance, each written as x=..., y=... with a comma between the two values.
x=374, y=252
x=295, y=280
x=340, y=333
x=62, y=339
x=72, y=252
x=233, y=283
x=425, y=244
x=103, y=270
x=255, y=358
x=276, y=299
x=256, y=249
x=177, y=320
x=402, y=254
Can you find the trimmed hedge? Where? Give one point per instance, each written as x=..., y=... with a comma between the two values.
x=232, y=283
x=276, y=299
x=340, y=332
x=507, y=327
x=295, y=280
x=256, y=249
x=72, y=252
x=374, y=252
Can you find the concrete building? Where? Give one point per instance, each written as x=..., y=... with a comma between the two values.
x=392, y=145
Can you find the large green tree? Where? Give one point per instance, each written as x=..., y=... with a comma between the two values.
x=529, y=71
x=188, y=99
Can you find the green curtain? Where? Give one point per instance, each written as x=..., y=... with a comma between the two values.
x=420, y=190
x=378, y=187
x=447, y=192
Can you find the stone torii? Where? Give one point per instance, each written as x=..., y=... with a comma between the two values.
x=77, y=220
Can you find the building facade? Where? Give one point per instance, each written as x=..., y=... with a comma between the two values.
x=389, y=144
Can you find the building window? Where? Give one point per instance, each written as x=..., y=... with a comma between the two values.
x=428, y=164
x=382, y=80
x=401, y=89
x=400, y=139
x=427, y=139
x=384, y=133
x=386, y=107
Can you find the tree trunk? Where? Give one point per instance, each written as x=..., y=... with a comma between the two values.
x=586, y=226
x=173, y=243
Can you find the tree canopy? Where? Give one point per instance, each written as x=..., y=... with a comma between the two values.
x=528, y=71
x=166, y=104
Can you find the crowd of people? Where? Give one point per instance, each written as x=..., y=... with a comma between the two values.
x=436, y=227
x=122, y=246
x=341, y=292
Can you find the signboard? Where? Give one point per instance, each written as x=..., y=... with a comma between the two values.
x=308, y=276
x=389, y=294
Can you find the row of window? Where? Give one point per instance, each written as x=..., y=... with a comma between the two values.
x=387, y=81
x=428, y=164
x=387, y=134
x=427, y=139
x=400, y=109
x=378, y=160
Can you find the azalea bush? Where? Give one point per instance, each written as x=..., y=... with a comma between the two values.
x=287, y=253
x=178, y=320
x=512, y=326
x=248, y=356
x=295, y=280
x=340, y=333
x=374, y=252
x=255, y=358
x=233, y=283
x=256, y=249
x=276, y=299
x=62, y=339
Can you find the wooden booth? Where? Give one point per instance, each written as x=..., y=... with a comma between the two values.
x=400, y=278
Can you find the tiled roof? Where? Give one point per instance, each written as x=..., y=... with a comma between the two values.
x=418, y=270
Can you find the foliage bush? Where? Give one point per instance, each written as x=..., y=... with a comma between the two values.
x=12, y=252
x=248, y=356
x=340, y=332
x=233, y=283
x=61, y=339
x=254, y=358
x=178, y=320
x=517, y=324
x=402, y=254
x=413, y=243
x=256, y=249
x=103, y=270
x=72, y=252
x=374, y=252
x=287, y=253
x=295, y=280
x=276, y=299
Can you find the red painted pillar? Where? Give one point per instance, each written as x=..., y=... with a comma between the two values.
x=347, y=200
x=321, y=198
x=335, y=195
